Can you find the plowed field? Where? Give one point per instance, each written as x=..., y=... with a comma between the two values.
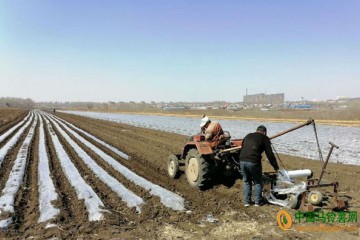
x=9, y=117
x=68, y=176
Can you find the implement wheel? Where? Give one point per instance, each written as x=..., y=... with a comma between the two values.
x=196, y=169
x=173, y=167
x=315, y=198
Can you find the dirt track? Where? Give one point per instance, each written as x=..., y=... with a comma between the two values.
x=148, y=150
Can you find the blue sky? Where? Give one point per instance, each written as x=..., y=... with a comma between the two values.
x=183, y=50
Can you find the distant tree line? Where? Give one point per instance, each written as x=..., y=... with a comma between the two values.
x=11, y=102
x=104, y=106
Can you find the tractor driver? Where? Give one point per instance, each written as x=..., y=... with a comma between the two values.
x=211, y=130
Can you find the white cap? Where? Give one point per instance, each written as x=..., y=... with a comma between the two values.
x=204, y=120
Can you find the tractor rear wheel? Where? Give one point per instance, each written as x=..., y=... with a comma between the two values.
x=173, y=166
x=196, y=169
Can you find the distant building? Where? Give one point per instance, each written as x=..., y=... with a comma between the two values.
x=173, y=108
x=263, y=98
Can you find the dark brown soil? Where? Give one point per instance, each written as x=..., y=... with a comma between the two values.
x=10, y=117
x=149, y=150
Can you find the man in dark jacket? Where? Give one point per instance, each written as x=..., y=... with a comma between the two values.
x=254, y=144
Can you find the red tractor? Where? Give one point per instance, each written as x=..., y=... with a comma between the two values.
x=201, y=159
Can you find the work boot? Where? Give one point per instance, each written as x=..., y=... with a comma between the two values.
x=262, y=202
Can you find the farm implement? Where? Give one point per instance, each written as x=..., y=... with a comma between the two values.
x=309, y=194
x=202, y=160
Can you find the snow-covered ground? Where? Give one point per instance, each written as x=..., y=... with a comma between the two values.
x=300, y=143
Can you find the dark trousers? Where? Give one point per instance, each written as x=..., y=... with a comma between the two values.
x=252, y=172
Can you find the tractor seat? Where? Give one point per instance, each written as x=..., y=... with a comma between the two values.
x=226, y=136
x=224, y=143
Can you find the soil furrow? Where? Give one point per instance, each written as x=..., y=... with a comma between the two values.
x=153, y=205
x=9, y=159
x=98, y=145
x=108, y=168
x=12, y=120
x=73, y=214
x=112, y=132
x=13, y=133
x=140, y=148
x=26, y=212
x=107, y=196
x=144, y=158
x=151, y=164
x=119, y=214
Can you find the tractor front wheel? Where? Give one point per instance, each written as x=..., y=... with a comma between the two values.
x=196, y=169
x=173, y=166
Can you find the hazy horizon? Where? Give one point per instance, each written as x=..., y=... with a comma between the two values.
x=188, y=51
